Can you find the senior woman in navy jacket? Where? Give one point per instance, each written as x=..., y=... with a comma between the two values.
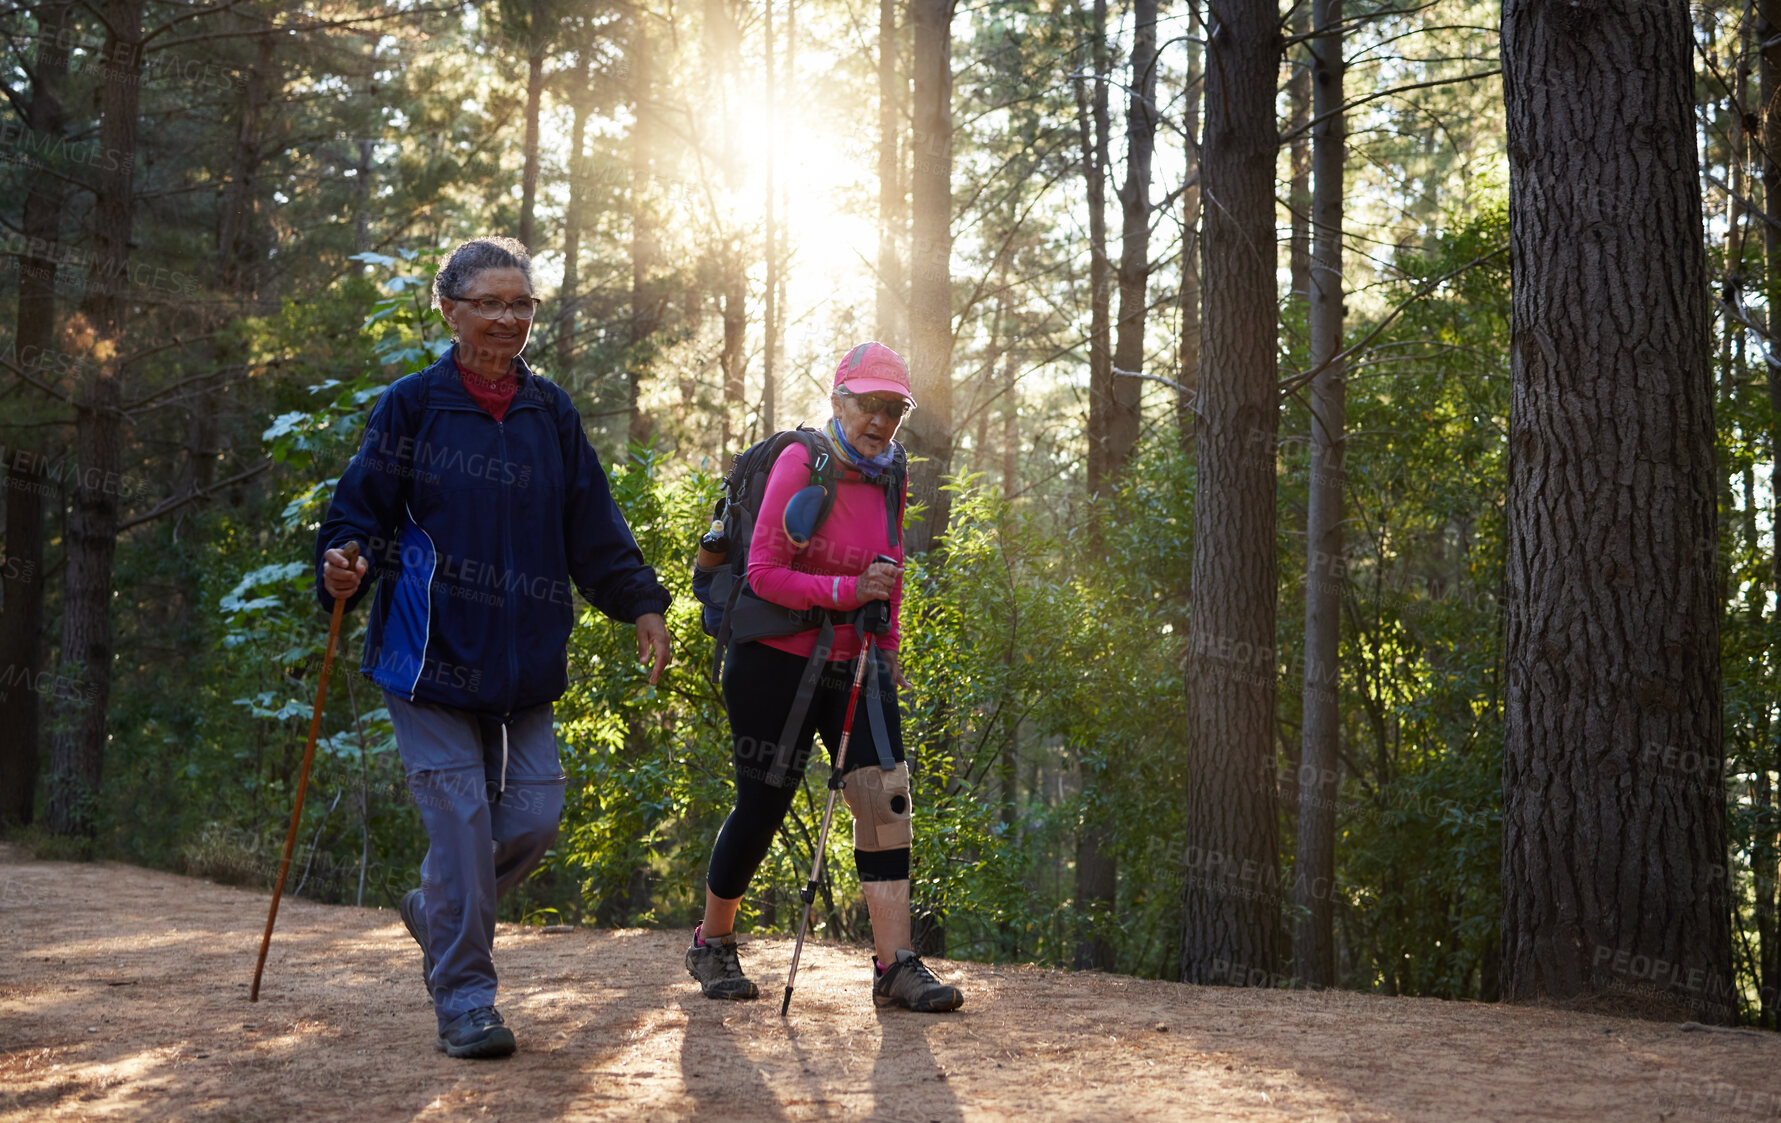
x=479, y=502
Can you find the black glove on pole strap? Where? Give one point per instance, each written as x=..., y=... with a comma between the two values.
x=808, y=893
x=351, y=550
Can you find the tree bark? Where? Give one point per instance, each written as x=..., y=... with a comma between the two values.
x=1187, y=390
x=1614, y=834
x=1313, y=951
x=78, y=749
x=1134, y=257
x=732, y=359
x=646, y=299
x=1010, y=418
x=893, y=296
x=21, y=628
x=928, y=431
x=1769, y=883
x=1231, y=903
x=21, y=571
x=770, y=297
x=1298, y=100
x=1092, y=129
x=362, y=202
x=236, y=250
x=573, y=216
x=529, y=177
x=725, y=41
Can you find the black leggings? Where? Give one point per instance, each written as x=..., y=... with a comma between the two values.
x=760, y=683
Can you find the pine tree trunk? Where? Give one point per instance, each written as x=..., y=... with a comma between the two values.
x=27, y=479
x=1134, y=257
x=893, y=309
x=78, y=748
x=645, y=244
x=1231, y=903
x=1313, y=952
x=732, y=359
x=928, y=430
x=1614, y=833
x=1768, y=887
x=21, y=628
x=1010, y=421
x=235, y=244
x=570, y=293
x=783, y=253
x=770, y=297
x=362, y=202
x=529, y=176
x=1096, y=874
x=1188, y=381
x=1298, y=100
x=1091, y=129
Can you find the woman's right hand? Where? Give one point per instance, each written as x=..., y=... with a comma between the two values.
x=340, y=579
x=877, y=583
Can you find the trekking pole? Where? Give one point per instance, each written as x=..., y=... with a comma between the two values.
x=351, y=550
x=836, y=783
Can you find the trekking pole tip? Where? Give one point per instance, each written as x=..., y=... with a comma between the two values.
x=787, y=1003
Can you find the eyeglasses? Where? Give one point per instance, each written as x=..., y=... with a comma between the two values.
x=491, y=309
x=894, y=408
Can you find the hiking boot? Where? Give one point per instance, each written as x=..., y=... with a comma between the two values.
x=478, y=1033
x=908, y=982
x=718, y=968
x=414, y=917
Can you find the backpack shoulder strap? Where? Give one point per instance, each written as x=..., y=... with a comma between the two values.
x=895, y=493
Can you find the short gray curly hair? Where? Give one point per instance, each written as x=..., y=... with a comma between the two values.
x=472, y=257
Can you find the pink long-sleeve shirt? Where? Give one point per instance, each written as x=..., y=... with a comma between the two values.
x=826, y=572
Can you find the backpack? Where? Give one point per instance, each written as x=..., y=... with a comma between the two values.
x=730, y=611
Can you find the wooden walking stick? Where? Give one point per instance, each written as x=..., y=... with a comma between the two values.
x=351, y=550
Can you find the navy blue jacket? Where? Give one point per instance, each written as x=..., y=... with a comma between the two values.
x=479, y=530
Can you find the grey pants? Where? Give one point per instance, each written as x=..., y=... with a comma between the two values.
x=490, y=799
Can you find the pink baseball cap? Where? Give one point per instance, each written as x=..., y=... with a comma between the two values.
x=873, y=368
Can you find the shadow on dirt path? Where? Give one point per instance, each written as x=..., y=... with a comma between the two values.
x=124, y=996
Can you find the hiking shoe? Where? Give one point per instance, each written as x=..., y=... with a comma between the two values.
x=718, y=968
x=478, y=1033
x=414, y=917
x=908, y=982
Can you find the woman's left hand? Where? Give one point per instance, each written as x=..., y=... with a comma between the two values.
x=896, y=670
x=652, y=637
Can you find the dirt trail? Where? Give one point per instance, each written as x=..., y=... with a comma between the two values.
x=124, y=995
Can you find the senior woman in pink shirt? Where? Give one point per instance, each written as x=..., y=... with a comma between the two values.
x=836, y=571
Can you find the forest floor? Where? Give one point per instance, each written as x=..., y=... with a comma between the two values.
x=123, y=995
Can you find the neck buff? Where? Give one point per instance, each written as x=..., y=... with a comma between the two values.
x=870, y=467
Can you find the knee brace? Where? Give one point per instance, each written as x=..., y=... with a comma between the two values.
x=882, y=812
